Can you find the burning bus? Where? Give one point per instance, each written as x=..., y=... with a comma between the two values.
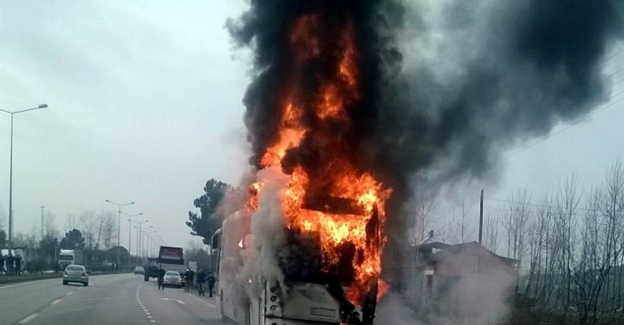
x=320, y=282
x=305, y=245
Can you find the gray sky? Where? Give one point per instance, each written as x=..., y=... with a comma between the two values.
x=145, y=106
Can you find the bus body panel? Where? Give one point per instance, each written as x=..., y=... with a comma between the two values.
x=304, y=303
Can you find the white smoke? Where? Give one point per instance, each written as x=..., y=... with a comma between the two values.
x=267, y=231
x=462, y=296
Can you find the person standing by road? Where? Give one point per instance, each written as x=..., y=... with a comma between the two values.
x=188, y=282
x=191, y=278
x=1, y=264
x=161, y=278
x=201, y=278
x=211, y=283
x=9, y=262
x=18, y=264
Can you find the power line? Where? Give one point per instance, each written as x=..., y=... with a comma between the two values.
x=612, y=56
x=534, y=204
x=573, y=124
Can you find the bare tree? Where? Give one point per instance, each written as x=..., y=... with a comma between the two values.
x=23, y=240
x=424, y=204
x=491, y=234
x=565, y=235
x=49, y=227
x=611, y=207
x=3, y=219
x=71, y=221
x=600, y=249
x=462, y=223
x=109, y=229
x=89, y=225
x=541, y=267
x=516, y=222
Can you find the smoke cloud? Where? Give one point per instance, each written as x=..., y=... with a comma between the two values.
x=475, y=76
x=445, y=84
x=483, y=74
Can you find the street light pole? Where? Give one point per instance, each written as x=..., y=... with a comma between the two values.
x=11, y=171
x=119, y=205
x=130, y=232
x=142, y=233
x=130, y=222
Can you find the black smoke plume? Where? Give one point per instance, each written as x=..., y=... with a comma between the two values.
x=445, y=84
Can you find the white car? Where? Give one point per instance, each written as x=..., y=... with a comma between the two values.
x=172, y=278
x=75, y=273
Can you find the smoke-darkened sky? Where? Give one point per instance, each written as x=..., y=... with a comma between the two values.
x=482, y=77
x=146, y=100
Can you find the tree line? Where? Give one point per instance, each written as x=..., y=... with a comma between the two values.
x=569, y=244
x=95, y=233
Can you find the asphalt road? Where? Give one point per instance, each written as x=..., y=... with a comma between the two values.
x=109, y=299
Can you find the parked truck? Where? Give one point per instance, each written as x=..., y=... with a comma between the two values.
x=71, y=256
x=151, y=269
x=172, y=259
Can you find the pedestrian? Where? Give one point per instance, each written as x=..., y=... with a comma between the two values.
x=188, y=282
x=161, y=278
x=9, y=262
x=1, y=264
x=201, y=278
x=211, y=283
x=18, y=264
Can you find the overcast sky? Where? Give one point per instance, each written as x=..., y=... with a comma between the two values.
x=145, y=105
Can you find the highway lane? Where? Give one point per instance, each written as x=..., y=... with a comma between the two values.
x=109, y=299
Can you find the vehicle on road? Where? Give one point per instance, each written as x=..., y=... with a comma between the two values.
x=70, y=257
x=75, y=273
x=150, y=269
x=173, y=278
x=313, y=295
x=139, y=270
x=172, y=259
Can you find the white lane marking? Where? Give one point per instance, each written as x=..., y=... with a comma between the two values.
x=167, y=299
x=207, y=303
x=55, y=302
x=149, y=316
x=70, y=293
x=28, y=319
x=181, y=302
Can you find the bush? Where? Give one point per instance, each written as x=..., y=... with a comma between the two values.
x=38, y=265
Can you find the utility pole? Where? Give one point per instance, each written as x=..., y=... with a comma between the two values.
x=10, y=242
x=481, y=220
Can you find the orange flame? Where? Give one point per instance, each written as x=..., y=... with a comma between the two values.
x=339, y=176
